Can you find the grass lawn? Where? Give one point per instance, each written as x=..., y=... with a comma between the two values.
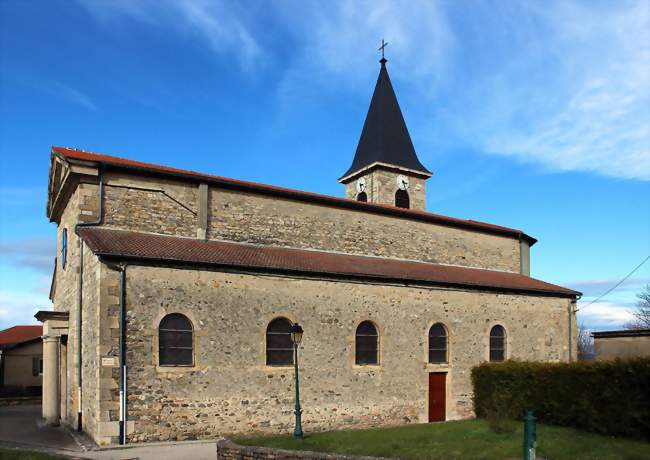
x=467, y=439
x=20, y=454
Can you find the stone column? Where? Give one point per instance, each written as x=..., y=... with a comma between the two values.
x=51, y=394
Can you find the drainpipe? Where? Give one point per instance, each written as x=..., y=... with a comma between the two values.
x=122, y=358
x=95, y=222
x=123, y=355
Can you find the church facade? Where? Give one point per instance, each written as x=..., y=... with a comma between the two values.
x=174, y=293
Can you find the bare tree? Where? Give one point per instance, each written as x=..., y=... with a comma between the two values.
x=642, y=312
x=585, y=344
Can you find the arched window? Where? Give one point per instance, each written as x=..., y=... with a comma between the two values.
x=402, y=199
x=64, y=247
x=362, y=197
x=366, y=344
x=175, y=341
x=438, y=344
x=279, y=347
x=497, y=343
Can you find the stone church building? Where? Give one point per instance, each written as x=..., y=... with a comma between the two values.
x=174, y=292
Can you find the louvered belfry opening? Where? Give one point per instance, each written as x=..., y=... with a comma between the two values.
x=362, y=197
x=402, y=199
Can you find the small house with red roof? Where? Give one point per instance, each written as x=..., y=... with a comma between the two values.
x=21, y=361
x=179, y=297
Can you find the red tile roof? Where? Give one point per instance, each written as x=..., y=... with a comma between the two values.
x=19, y=334
x=82, y=155
x=176, y=250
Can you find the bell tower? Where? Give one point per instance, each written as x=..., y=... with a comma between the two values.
x=386, y=169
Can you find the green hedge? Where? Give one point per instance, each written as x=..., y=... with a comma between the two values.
x=609, y=397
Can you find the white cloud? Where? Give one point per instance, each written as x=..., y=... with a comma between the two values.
x=224, y=26
x=604, y=315
x=19, y=308
x=36, y=253
x=340, y=39
x=565, y=85
x=74, y=95
x=594, y=288
x=580, y=101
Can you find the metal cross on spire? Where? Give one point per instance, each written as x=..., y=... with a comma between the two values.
x=381, y=48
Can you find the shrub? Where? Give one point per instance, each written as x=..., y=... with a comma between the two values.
x=608, y=397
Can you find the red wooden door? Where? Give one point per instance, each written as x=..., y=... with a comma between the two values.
x=437, y=396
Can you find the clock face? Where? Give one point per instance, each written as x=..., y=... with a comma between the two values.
x=361, y=185
x=402, y=182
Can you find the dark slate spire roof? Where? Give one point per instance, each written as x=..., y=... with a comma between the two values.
x=385, y=138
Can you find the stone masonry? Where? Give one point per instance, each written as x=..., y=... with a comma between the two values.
x=253, y=218
x=381, y=185
x=230, y=389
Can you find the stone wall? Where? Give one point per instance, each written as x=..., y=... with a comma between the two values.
x=607, y=348
x=260, y=219
x=272, y=221
x=228, y=450
x=18, y=362
x=83, y=206
x=150, y=205
x=231, y=390
x=90, y=344
x=381, y=186
x=66, y=293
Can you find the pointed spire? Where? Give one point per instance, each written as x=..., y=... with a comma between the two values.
x=385, y=138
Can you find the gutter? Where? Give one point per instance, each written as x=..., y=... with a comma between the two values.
x=78, y=225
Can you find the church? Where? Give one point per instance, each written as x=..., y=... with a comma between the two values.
x=175, y=292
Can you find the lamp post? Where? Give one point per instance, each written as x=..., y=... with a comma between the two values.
x=296, y=338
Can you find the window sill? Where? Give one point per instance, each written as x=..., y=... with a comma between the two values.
x=176, y=369
x=367, y=367
x=279, y=367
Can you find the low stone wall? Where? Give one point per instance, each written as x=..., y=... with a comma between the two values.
x=228, y=450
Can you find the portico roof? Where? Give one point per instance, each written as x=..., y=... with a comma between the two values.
x=172, y=250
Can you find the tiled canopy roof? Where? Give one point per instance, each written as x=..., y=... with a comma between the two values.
x=173, y=250
x=108, y=160
x=19, y=334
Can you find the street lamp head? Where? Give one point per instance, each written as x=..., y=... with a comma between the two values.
x=296, y=333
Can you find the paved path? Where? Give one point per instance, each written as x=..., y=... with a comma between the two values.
x=171, y=451
x=21, y=426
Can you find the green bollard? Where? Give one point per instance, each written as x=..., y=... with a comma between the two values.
x=530, y=436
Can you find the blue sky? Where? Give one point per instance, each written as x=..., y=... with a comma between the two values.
x=534, y=115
